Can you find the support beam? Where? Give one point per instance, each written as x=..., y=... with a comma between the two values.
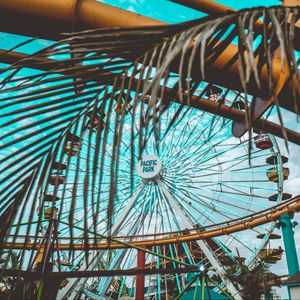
x=49, y=18
x=105, y=283
x=286, y=226
x=99, y=273
x=140, y=279
x=257, y=107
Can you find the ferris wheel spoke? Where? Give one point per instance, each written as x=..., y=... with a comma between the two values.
x=217, y=206
x=258, y=187
x=240, y=159
x=123, y=190
x=243, y=194
x=167, y=130
x=253, y=169
x=201, y=203
x=229, y=147
x=213, y=202
x=184, y=145
x=160, y=212
x=197, y=157
x=127, y=146
x=105, y=283
x=143, y=213
x=229, y=181
x=116, y=226
x=208, y=253
x=224, y=194
x=169, y=153
x=82, y=229
x=151, y=213
x=169, y=216
x=203, y=167
x=239, y=240
x=179, y=154
x=206, y=158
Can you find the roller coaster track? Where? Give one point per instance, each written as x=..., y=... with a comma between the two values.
x=146, y=241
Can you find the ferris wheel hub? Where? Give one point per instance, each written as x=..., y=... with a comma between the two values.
x=149, y=167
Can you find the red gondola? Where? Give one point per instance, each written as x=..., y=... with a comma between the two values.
x=57, y=180
x=263, y=142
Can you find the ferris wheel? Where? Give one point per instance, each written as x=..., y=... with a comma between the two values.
x=194, y=176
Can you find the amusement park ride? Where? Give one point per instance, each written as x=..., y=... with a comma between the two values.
x=137, y=164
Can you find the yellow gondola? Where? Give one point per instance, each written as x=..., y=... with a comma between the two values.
x=272, y=174
x=271, y=255
x=50, y=212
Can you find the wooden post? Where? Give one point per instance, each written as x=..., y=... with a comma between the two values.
x=140, y=279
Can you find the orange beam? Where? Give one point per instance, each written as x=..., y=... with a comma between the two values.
x=290, y=206
x=49, y=18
